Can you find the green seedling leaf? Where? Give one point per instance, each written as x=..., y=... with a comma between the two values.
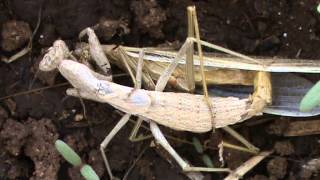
x=311, y=99
x=197, y=145
x=68, y=153
x=318, y=8
x=207, y=161
x=88, y=173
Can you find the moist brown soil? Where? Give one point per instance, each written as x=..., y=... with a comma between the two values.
x=30, y=123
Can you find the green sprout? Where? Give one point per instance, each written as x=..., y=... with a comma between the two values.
x=73, y=158
x=88, y=173
x=197, y=145
x=318, y=8
x=311, y=99
x=199, y=148
x=207, y=160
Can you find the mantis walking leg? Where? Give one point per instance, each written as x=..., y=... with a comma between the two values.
x=108, y=138
x=123, y=120
x=158, y=135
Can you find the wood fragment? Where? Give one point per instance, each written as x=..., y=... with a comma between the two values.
x=303, y=128
x=247, y=166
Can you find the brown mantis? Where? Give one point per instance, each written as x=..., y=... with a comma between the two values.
x=179, y=111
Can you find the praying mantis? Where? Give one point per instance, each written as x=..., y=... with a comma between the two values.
x=180, y=111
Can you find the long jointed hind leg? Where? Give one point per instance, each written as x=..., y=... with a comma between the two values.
x=158, y=135
x=195, y=25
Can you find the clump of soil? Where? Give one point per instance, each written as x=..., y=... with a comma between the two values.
x=40, y=148
x=277, y=167
x=284, y=148
x=11, y=140
x=36, y=140
x=14, y=35
x=149, y=17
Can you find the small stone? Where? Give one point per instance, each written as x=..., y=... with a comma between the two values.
x=259, y=177
x=284, y=148
x=78, y=117
x=277, y=167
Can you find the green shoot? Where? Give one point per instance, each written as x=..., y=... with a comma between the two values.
x=207, y=160
x=88, y=173
x=318, y=8
x=68, y=153
x=311, y=99
x=197, y=145
x=73, y=158
x=199, y=148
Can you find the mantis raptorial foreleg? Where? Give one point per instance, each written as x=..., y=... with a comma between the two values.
x=96, y=51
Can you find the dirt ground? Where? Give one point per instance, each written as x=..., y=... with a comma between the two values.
x=30, y=123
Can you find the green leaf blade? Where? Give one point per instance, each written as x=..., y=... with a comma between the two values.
x=207, y=161
x=197, y=145
x=68, y=153
x=311, y=99
x=88, y=173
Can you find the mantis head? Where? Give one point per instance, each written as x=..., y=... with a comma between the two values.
x=55, y=55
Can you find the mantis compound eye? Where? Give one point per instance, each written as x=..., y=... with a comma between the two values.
x=103, y=88
x=48, y=63
x=140, y=98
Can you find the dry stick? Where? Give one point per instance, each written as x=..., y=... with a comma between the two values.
x=31, y=43
x=189, y=56
x=27, y=49
x=33, y=90
x=204, y=84
x=231, y=146
x=135, y=162
x=247, y=166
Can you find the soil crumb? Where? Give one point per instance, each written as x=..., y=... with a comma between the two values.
x=284, y=148
x=40, y=148
x=149, y=17
x=277, y=167
x=14, y=35
x=10, y=139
